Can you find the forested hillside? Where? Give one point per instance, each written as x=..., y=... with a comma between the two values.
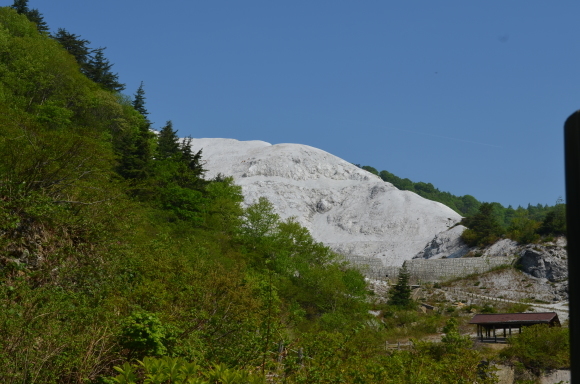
x=525, y=225
x=119, y=258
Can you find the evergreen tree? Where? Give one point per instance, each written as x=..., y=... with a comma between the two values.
x=168, y=142
x=135, y=154
x=484, y=228
x=400, y=294
x=21, y=6
x=139, y=101
x=193, y=160
x=555, y=221
x=98, y=69
x=34, y=15
x=74, y=45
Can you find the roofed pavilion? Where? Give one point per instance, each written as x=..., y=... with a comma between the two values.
x=488, y=325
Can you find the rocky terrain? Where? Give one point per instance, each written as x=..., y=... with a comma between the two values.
x=547, y=261
x=349, y=209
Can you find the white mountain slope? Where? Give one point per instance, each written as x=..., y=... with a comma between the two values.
x=347, y=208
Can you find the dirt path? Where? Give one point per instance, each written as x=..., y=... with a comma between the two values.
x=561, y=308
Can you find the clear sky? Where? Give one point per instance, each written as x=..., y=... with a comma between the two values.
x=468, y=95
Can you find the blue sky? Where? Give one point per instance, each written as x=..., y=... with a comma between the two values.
x=470, y=96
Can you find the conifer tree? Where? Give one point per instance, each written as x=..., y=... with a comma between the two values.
x=136, y=151
x=168, y=142
x=400, y=294
x=139, y=101
x=74, y=45
x=193, y=160
x=484, y=229
x=34, y=15
x=21, y=6
x=135, y=154
x=98, y=69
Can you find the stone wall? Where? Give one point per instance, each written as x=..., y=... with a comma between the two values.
x=431, y=270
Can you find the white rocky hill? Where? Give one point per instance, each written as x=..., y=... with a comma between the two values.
x=347, y=208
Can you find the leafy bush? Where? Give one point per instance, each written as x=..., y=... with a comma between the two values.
x=142, y=334
x=539, y=348
x=483, y=227
x=179, y=371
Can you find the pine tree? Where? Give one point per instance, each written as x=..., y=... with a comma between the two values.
x=139, y=101
x=135, y=154
x=191, y=159
x=34, y=15
x=484, y=228
x=168, y=142
x=98, y=69
x=21, y=6
x=74, y=45
x=400, y=294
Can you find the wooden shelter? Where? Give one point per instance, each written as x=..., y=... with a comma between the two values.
x=488, y=325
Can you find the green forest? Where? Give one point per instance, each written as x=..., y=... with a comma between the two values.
x=121, y=262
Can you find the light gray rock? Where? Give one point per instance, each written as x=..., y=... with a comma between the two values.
x=345, y=207
x=558, y=376
x=445, y=245
x=502, y=248
x=549, y=262
x=505, y=374
x=546, y=264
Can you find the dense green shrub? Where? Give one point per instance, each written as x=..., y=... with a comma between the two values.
x=539, y=348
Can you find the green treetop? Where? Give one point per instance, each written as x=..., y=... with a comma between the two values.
x=99, y=70
x=400, y=294
x=21, y=6
x=192, y=159
x=74, y=45
x=139, y=101
x=484, y=228
x=167, y=142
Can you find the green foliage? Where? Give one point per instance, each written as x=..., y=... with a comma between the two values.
x=554, y=222
x=139, y=101
x=400, y=294
x=259, y=226
x=370, y=169
x=307, y=274
x=168, y=142
x=21, y=6
x=356, y=358
x=110, y=251
x=483, y=228
x=74, y=45
x=179, y=371
x=522, y=228
x=454, y=342
x=142, y=334
x=539, y=348
x=98, y=69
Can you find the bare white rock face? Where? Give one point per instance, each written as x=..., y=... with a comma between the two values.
x=445, y=245
x=345, y=207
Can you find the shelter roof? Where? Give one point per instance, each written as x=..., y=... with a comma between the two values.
x=515, y=318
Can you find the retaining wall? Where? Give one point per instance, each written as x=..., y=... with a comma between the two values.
x=426, y=270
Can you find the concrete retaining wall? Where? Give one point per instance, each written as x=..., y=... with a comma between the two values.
x=425, y=270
